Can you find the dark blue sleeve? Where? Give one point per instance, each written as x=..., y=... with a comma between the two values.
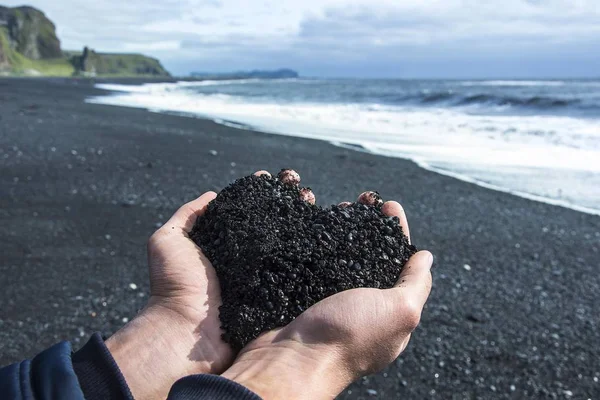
x=209, y=387
x=92, y=374
x=101, y=379
x=49, y=376
x=98, y=373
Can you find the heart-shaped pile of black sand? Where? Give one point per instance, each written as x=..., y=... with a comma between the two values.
x=276, y=255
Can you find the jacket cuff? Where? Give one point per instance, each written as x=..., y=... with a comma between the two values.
x=99, y=375
x=49, y=375
x=210, y=387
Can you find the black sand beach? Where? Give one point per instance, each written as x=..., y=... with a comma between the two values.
x=514, y=307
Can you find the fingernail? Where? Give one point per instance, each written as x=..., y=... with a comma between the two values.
x=289, y=177
x=262, y=172
x=307, y=195
x=429, y=259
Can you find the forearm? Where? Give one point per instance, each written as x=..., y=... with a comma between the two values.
x=290, y=371
x=148, y=356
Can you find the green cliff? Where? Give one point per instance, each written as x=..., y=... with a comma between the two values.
x=29, y=46
x=4, y=61
x=30, y=33
x=90, y=63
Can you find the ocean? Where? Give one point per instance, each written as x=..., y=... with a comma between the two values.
x=538, y=139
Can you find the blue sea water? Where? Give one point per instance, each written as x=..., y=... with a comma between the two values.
x=535, y=138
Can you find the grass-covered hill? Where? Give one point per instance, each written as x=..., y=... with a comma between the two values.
x=29, y=47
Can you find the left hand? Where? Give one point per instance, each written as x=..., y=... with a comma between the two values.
x=178, y=332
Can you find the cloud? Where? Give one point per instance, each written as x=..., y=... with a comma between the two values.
x=169, y=45
x=343, y=37
x=469, y=22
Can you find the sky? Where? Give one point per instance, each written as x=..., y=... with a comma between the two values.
x=343, y=38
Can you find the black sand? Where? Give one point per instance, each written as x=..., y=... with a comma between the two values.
x=83, y=186
x=276, y=254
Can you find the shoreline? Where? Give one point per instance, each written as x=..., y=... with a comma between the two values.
x=584, y=204
x=82, y=187
x=355, y=147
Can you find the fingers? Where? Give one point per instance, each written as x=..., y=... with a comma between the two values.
x=394, y=209
x=417, y=268
x=289, y=177
x=370, y=199
x=262, y=172
x=186, y=216
x=307, y=195
x=389, y=208
x=412, y=289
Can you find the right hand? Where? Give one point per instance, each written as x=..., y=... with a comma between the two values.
x=341, y=338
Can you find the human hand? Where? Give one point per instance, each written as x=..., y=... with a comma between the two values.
x=345, y=336
x=178, y=332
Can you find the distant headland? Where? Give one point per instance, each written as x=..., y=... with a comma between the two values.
x=284, y=73
x=29, y=47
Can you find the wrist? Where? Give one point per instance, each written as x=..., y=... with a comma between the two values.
x=290, y=370
x=153, y=351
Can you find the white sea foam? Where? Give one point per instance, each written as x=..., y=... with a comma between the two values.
x=515, y=83
x=171, y=86
x=547, y=158
x=512, y=83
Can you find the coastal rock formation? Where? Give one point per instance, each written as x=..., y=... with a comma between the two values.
x=29, y=46
x=3, y=56
x=29, y=32
x=91, y=63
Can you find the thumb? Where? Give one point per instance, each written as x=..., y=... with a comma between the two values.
x=411, y=291
x=186, y=216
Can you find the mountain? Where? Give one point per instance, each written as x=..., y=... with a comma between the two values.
x=29, y=46
x=256, y=74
